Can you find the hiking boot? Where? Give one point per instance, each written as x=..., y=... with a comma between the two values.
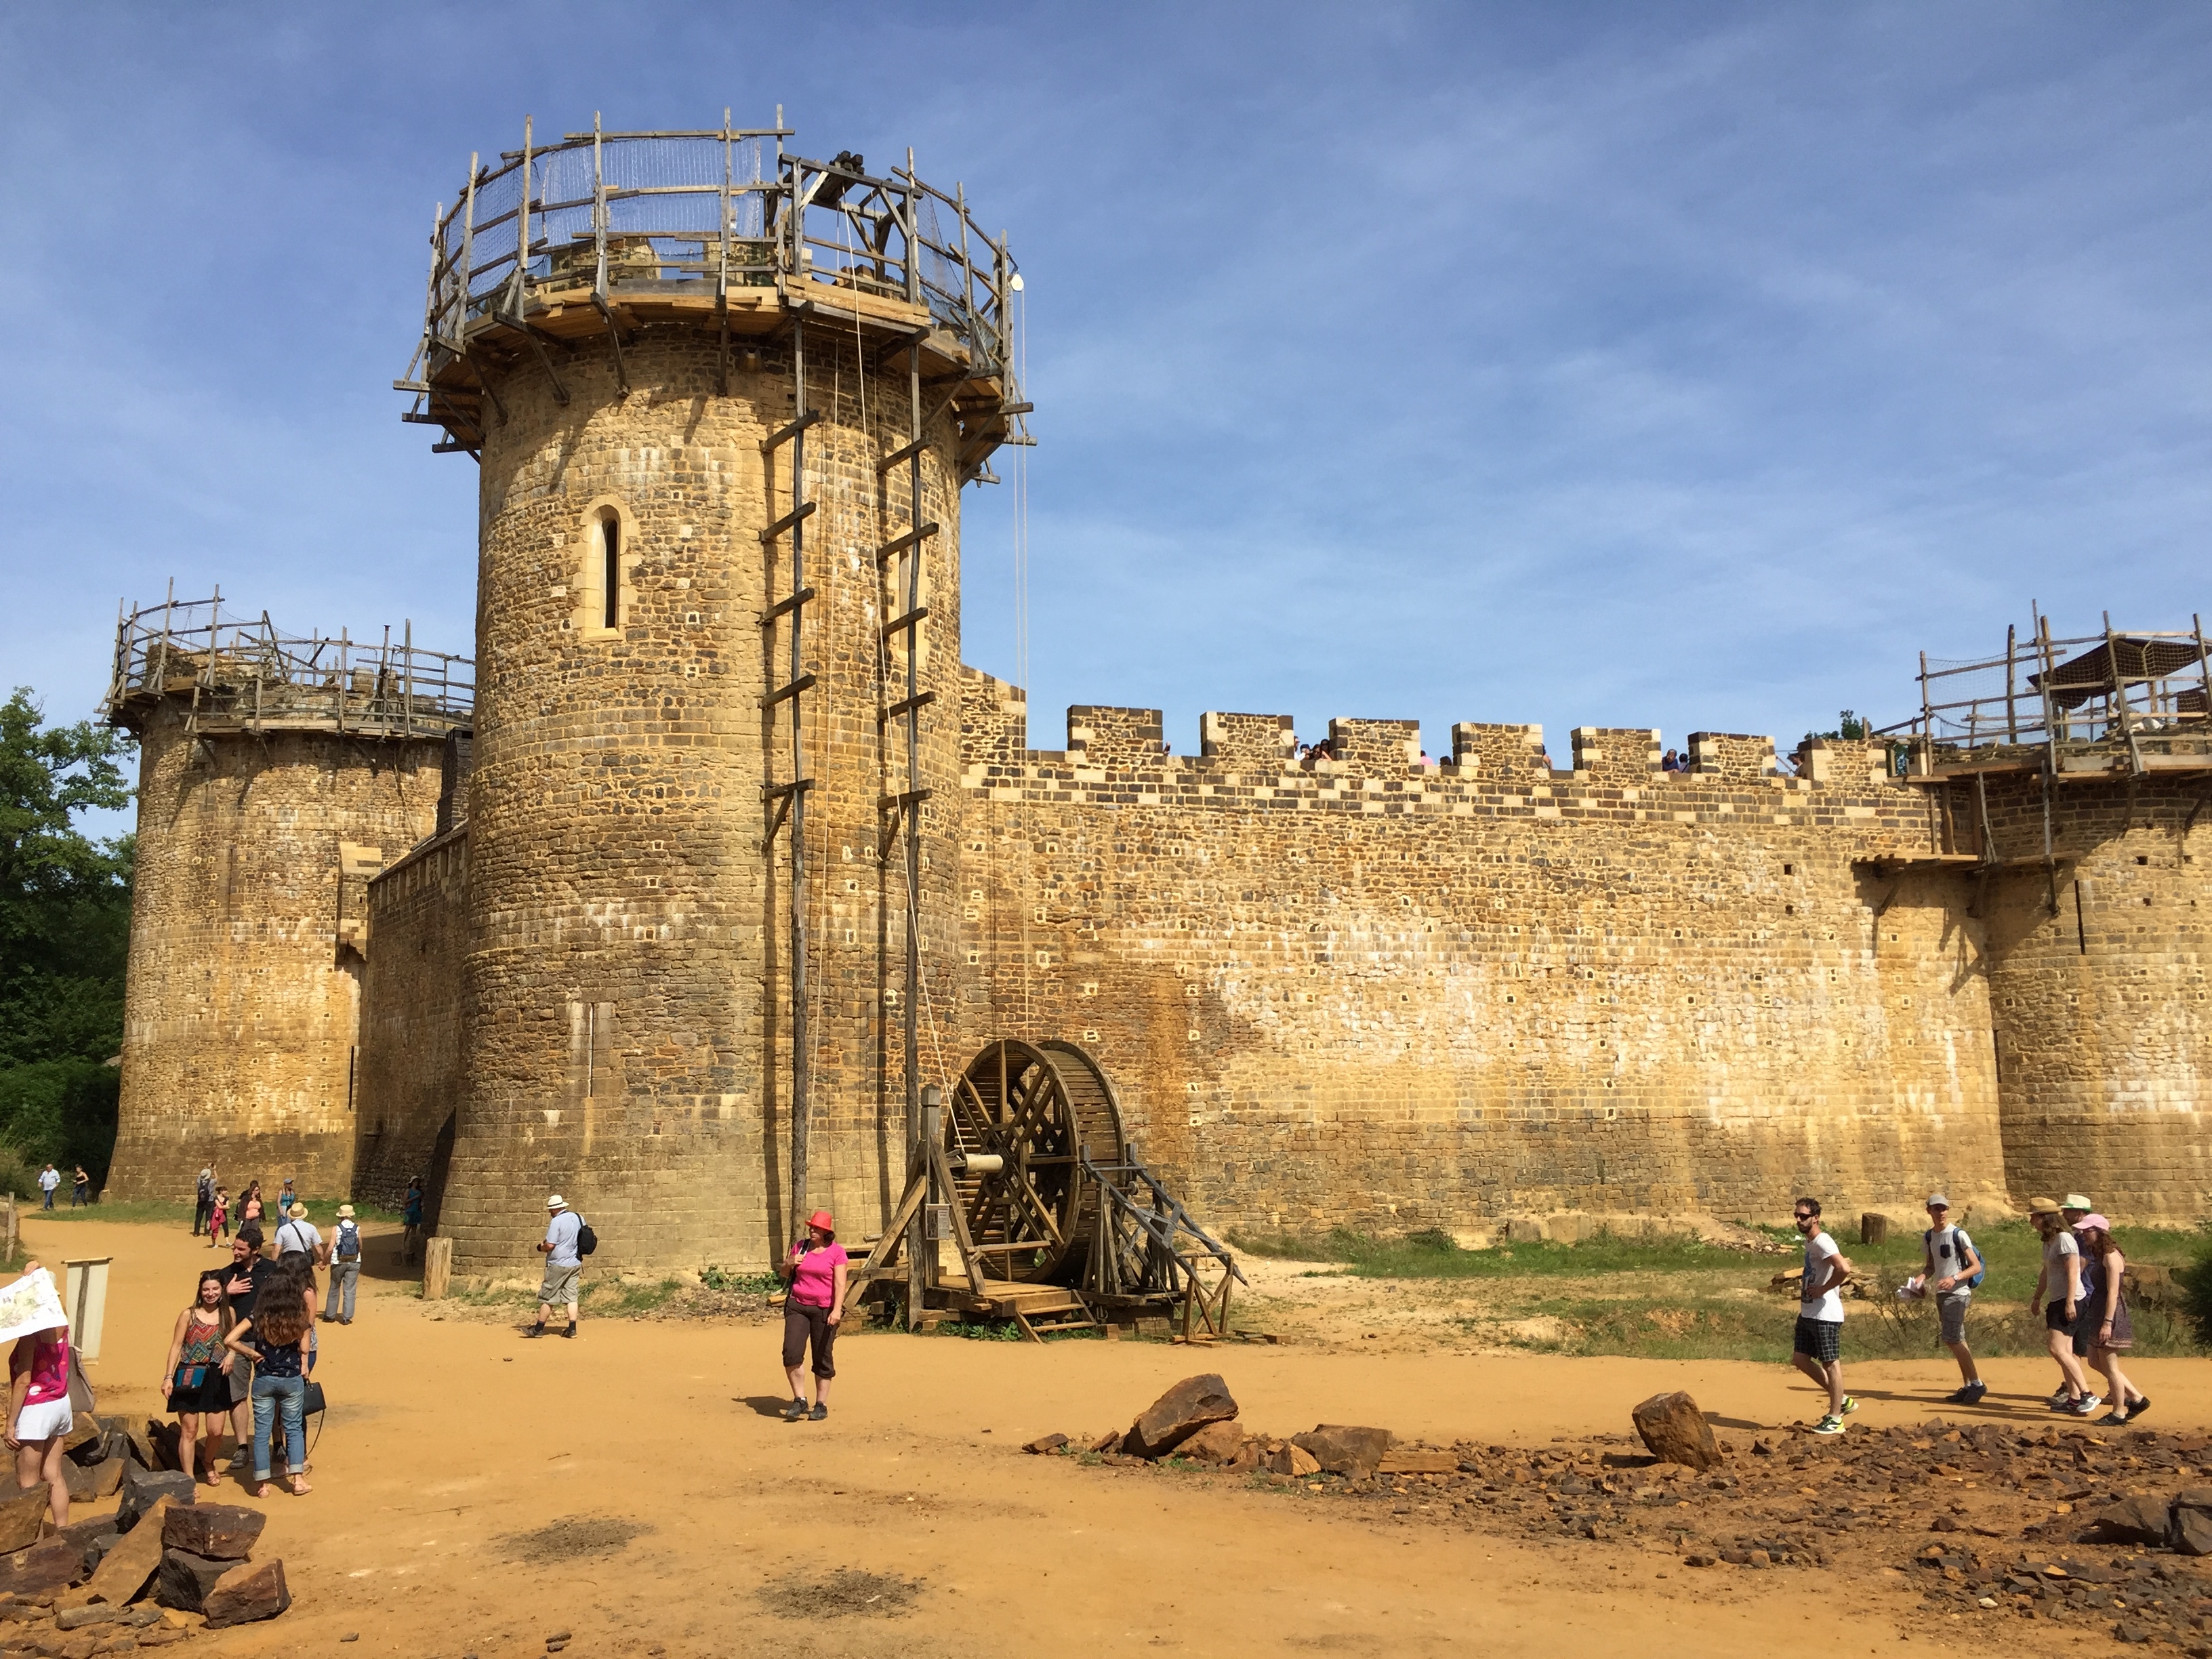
x=1829, y=1425
x=819, y=1412
x=571, y=1329
x=795, y=1411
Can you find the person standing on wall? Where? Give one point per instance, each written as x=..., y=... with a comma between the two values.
x=1951, y=1267
x=817, y=1268
x=49, y=1178
x=345, y=1266
x=249, y=1271
x=1817, y=1346
x=564, y=1267
x=2058, y=1294
x=204, y=1202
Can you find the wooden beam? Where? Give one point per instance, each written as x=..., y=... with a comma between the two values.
x=785, y=693
x=797, y=513
x=783, y=607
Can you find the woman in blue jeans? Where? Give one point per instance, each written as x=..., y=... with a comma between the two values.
x=275, y=1339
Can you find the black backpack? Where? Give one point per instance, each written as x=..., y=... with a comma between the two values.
x=586, y=1240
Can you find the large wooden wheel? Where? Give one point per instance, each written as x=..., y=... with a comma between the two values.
x=1036, y=1106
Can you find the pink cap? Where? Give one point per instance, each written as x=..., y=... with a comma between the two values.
x=2092, y=1220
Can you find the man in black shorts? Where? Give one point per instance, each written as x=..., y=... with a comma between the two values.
x=1817, y=1346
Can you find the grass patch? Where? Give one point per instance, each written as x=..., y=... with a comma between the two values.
x=726, y=1278
x=138, y=1209
x=1434, y=1255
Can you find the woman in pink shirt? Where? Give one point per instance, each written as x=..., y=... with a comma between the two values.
x=817, y=1268
x=39, y=1410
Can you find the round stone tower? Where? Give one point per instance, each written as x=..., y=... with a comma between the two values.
x=719, y=630
x=276, y=775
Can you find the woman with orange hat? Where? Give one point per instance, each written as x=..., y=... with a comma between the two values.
x=817, y=1268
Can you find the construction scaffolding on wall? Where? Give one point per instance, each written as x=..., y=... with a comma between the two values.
x=2118, y=701
x=241, y=674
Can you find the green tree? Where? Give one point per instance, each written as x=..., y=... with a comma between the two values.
x=65, y=933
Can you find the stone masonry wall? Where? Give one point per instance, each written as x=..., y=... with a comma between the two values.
x=241, y=1006
x=411, y=1070
x=1368, y=994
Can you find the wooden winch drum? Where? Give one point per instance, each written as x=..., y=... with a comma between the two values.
x=1037, y=1107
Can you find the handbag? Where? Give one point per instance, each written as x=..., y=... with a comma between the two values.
x=312, y=1401
x=189, y=1378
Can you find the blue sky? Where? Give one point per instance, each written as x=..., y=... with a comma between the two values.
x=1684, y=367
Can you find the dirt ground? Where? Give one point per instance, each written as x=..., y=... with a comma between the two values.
x=477, y=1493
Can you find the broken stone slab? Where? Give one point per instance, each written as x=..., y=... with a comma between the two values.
x=1250, y=1455
x=248, y=1591
x=135, y=1618
x=85, y=1430
x=185, y=1579
x=1107, y=1442
x=22, y=1517
x=1217, y=1443
x=1408, y=1460
x=1344, y=1448
x=1292, y=1460
x=2189, y=1522
x=46, y=1568
x=1180, y=1412
x=140, y=1449
x=92, y=1537
x=221, y=1531
x=2138, y=1520
x=1046, y=1443
x=166, y=1439
x=142, y=1488
x=129, y=1563
x=1675, y=1430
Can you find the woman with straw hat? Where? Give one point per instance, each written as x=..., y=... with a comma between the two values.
x=817, y=1269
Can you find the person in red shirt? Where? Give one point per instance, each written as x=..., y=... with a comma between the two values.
x=817, y=1268
x=38, y=1418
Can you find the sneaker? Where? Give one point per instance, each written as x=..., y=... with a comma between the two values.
x=2085, y=1403
x=795, y=1411
x=1829, y=1425
x=2142, y=1404
x=238, y=1459
x=1971, y=1393
x=1850, y=1403
x=819, y=1412
x=535, y=1330
x=2114, y=1419
x=2060, y=1400
x=570, y=1330
x=1961, y=1395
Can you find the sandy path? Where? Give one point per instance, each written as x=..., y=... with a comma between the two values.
x=448, y=1438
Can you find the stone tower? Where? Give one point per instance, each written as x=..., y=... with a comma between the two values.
x=276, y=775
x=721, y=452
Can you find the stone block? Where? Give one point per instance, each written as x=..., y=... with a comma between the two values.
x=1217, y=1443
x=1410, y=1460
x=247, y=1592
x=131, y=1562
x=22, y=1518
x=2139, y=1520
x=1675, y=1430
x=185, y=1579
x=1343, y=1448
x=222, y=1532
x=1292, y=1460
x=46, y=1568
x=142, y=1488
x=1180, y=1412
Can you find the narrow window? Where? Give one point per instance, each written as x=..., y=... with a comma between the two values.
x=610, y=580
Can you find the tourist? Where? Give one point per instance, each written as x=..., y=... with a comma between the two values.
x=412, y=1220
x=80, y=1190
x=300, y=1271
x=1817, y=1346
x=219, y=1218
x=2074, y=1207
x=1950, y=1269
x=249, y=1271
x=345, y=1266
x=38, y=1418
x=1669, y=762
x=564, y=1267
x=250, y=1206
x=49, y=1178
x=2106, y=1331
x=203, y=1201
x=286, y=1199
x=297, y=1237
x=273, y=1340
x=2058, y=1293
x=197, y=1381
x=817, y=1269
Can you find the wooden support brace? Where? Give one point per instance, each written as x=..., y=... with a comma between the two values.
x=784, y=435
x=805, y=510
x=785, y=693
x=900, y=802
x=967, y=1245
x=913, y=618
x=891, y=550
x=905, y=705
x=778, y=790
x=906, y=454
x=614, y=338
x=784, y=607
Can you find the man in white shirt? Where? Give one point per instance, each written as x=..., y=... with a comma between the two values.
x=564, y=1265
x=1818, y=1346
x=296, y=1236
x=49, y=1178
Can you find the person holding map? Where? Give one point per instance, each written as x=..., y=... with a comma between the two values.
x=38, y=1384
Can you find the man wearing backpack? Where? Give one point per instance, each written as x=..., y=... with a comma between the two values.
x=345, y=1266
x=564, y=1264
x=1952, y=1267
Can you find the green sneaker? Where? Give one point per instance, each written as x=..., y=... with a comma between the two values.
x=1850, y=1404
x=1829, y=1425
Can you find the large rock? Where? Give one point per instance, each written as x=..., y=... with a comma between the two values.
x=2189, y=1522
x=246, y=1593
x=1292, y=1459
x=185, y=1578
x=1342, y=1449
x=1408, y=1460
x=222, y=1532
x=1179, y=1413
x=1675, y=1430
x=94, y=1537
x=46, y=1568
x=2139, y=1520
x=1217, y=1443
x=22, y=1518
x=129, y=1563
x=143, y=1488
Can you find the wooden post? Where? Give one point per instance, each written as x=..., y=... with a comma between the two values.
x=2012, y=711
x=437, y=1268
x=1873, y=1228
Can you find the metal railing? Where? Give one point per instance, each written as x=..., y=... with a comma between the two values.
x=238, y=674
x=2144, y=696
x=703, y=212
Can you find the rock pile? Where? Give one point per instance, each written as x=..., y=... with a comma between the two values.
x=102, y=1585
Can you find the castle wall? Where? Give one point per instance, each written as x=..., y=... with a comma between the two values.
x=1368, y=994
x=410, y=1071
x=241, y=1006
x=627, y=936
x=2104, y=1032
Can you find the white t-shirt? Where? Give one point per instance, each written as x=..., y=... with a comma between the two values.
x=50, y=1180
x=1828, y=1309
x=298, y=1235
